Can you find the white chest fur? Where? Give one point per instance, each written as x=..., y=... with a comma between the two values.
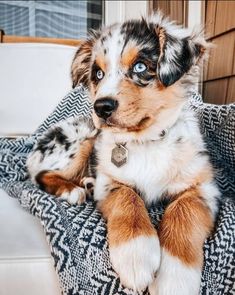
x=155, y=167
x=145, y=169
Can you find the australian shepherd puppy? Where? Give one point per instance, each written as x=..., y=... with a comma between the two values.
x=143, y=145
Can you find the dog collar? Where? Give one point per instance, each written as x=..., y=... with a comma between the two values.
x=119, y=155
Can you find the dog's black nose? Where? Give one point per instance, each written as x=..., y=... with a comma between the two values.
x=104, y=107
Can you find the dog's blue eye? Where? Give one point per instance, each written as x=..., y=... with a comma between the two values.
x=140, y=67
x=100, y=74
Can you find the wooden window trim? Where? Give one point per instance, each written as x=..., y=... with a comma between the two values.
x=22, y=39
x=1, y=36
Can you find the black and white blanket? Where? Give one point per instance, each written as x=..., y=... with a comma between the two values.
x=77, y=234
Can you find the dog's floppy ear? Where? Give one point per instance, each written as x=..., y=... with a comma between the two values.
x=81, y=63
x=177, y=55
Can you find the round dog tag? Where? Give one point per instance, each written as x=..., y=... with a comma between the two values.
x=119, y=155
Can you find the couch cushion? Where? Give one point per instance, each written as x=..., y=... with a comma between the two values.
x=33, y=79
x=26, y=266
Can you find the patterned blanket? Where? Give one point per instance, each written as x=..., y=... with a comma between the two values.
x=77, y=234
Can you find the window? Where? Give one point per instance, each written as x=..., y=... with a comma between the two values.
x=58, y=19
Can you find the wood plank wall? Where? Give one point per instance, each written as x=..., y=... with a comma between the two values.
x=177, y=10
x=219, y=74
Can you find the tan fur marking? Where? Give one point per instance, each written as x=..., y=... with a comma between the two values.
x=129, y=56
x=100, y=61
x=126, y=216
x=58, y=182
x=206, y=175
x=78, y=168
x=54, y=184
x=146, y=104
x=160, y=86
x=142, y=125
x=185, y=226
x=187, y=152
x=162, y=38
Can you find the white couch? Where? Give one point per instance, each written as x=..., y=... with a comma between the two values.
x=33, y=78
x=26, y=266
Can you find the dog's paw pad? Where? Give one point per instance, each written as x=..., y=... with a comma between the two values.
x=76, y=196
x=136, y=261
x=89, y=183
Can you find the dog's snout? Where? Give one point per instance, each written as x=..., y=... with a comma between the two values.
x=104, y=107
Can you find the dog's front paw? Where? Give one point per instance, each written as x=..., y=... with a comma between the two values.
x=136, y=261
x=88, y=183
x=76, y=196
x=175, y=278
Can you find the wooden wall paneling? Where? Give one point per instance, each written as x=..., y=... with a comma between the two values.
x=206, y=65
x=149, y=7
x=210, y=18
x=164, y=6
x=215, y=91
x=221, y=59
x=177, y=11
x=185, y=12
x=225, y=18
x=231, y=91
x=234, y=60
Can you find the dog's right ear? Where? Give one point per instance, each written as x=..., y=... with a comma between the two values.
x=178, y=53
x=81, y=63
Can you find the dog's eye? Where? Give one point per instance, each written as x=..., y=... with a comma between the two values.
x=139, y=67
x=100, y=74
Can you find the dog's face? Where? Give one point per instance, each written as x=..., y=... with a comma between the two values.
x=134, y=71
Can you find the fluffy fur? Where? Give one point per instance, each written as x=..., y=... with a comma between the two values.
x=139, y=75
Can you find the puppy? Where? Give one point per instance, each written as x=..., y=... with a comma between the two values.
x=145, y=145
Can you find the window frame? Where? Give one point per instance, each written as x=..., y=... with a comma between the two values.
x=119, y=11
x=32, y=6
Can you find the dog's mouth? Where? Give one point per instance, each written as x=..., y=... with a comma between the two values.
x=141, y=125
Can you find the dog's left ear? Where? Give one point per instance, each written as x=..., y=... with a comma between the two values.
x=177, y=55
x=81, y=63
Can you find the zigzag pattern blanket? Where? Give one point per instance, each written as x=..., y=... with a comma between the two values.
x=77, y=234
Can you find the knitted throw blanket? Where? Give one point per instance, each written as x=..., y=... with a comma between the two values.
x=77, y=234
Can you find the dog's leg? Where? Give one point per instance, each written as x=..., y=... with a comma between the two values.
x=183, y=230
x=53, y=183
x=133, y=241
x=72, y=183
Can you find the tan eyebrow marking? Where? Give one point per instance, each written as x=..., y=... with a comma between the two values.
x=129, y=56
x=100, y=61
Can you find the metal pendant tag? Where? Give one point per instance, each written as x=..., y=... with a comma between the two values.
x=119, y=155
